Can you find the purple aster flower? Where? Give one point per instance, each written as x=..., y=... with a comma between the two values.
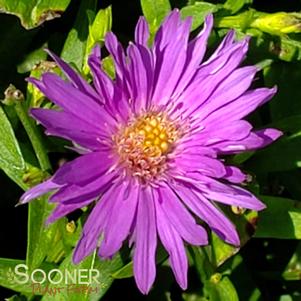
x=150, y=143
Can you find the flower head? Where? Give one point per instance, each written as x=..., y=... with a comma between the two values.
x=151, y=141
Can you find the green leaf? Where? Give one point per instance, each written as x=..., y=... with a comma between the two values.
x=282, y=155
x=235, y=5
x=220, y=289
x=32, y=13
x=40, y=238
x=32, y=59
x=98, y=286
x=198, y=11
x=154, y=12
x=281, y=219
x=11, y=159
x=245, y=225
x=284, y=103
x=12, y=279
x=292, y=271
x=97, y=32
x=75, y=44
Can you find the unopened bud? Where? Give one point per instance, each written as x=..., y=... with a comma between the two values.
x=12, y=95
x=33, y=176
x=278, y=23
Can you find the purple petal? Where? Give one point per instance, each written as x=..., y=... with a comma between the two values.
x=68, y=126
x=209, y=75
x=102, y=82
x=74, y=77
x=142, y=32
x=116, y=50
x=235, y=130
x=234, y=175
x=229, y=194
x=198, y=163
x=255, y=140
x=195, y=53
x=95, y=225
x=229, y=89
x=173, y=243
x=205, y=210
x=180, y=218
x=170, y=59
x=75, y=193
x=38, y=190
x=145, y=242
x=141, y=76
x=72, y=100
x=64, y=209
x=84, y=169
x=120, y=220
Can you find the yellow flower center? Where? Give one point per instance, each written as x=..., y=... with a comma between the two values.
x=143, y=145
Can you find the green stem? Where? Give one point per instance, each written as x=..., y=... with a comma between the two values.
x=34, y=136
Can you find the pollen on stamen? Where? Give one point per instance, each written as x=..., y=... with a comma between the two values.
x=144, y=144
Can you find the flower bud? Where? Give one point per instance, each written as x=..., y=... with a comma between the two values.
x=278, y=23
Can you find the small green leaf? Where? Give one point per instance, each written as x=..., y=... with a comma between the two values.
x=40, y=238
x=281, y=219
x=198, y=11
x=154, y=12
x=97, y=32
x=32, y=59
x=245, y=224
x=32, y=13
x=235, y=5
x=292, y=271
x=75, y=44
x=10, y=154
x=11, y=277
x=220, y=289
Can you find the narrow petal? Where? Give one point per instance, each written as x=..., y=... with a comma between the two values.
x=234, y=175
x=119, y=223
x=198, y=163
x=209, y=75
x=170, y=61
x=235, y=130
x=241, y=106
x=73, y=193
x=180, y=218
x=84, y=169
x=174, y=245
x=255, y=140
x=74, y=76
x=68, y=126
x=64, y=209
x=195, y=53
x=39, y=190
x=229, y=194
x=209, y=213
x=145, y=242
x=229, y=89
x=142, y=32
x=71, y=99
x=141, y=76
x=95, y=225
